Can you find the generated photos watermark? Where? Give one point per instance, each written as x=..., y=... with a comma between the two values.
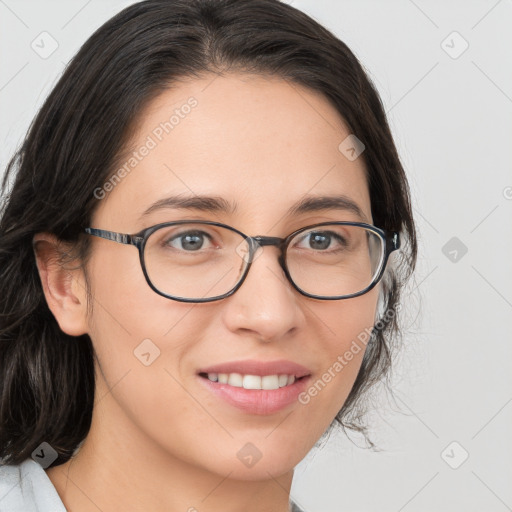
x=157, y=135
x=344, y=359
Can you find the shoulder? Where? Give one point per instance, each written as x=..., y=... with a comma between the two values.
x=26, y=488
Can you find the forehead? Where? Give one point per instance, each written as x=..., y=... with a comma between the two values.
x=260, y=142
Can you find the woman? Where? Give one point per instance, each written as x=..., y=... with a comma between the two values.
x=243, y=152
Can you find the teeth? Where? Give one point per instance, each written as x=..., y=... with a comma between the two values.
x=252, y=381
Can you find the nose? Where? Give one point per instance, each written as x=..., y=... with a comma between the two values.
x=266, y=305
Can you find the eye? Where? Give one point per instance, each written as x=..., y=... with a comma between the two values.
x=322, y=240
x=188, y=240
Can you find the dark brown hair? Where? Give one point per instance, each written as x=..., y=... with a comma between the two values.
x=46, y=376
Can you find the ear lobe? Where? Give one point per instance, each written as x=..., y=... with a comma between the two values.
x=63, y=283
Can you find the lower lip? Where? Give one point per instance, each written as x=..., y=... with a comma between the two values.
x=258, y=401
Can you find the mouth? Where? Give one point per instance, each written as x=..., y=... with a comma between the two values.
x=256, y=386
x=255, y=382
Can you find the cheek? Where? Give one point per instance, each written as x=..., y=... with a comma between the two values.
x=348, y=326
x=133, y=329
x=125, y=307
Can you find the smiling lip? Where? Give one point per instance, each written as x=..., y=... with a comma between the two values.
x=261, y=368
x=258, y=401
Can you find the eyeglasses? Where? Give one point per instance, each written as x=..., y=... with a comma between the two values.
x=204, y=261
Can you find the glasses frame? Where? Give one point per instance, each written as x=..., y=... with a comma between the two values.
x=390, y=239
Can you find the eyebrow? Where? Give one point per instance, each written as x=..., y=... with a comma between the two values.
x=214, y=204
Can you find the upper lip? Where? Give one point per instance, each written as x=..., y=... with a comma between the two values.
x=261, y=368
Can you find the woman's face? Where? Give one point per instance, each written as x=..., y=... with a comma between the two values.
x=262, y=145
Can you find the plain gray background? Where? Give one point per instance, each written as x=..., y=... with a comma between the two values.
x=444, y=73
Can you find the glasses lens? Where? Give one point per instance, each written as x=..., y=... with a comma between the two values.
x=335, y=259
x=194, y=260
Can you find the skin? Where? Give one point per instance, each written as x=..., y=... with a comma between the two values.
x=159, y=441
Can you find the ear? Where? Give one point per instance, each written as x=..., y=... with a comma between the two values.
x=63, y=283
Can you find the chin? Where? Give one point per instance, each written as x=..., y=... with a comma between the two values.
x=251, y=464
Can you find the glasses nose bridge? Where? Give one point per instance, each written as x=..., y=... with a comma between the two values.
x=262, y=241
x=270, y=240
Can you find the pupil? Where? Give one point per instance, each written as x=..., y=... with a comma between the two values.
x=318, y=241
x=191, y=242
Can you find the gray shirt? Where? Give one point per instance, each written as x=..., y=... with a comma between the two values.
x=27, y=488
